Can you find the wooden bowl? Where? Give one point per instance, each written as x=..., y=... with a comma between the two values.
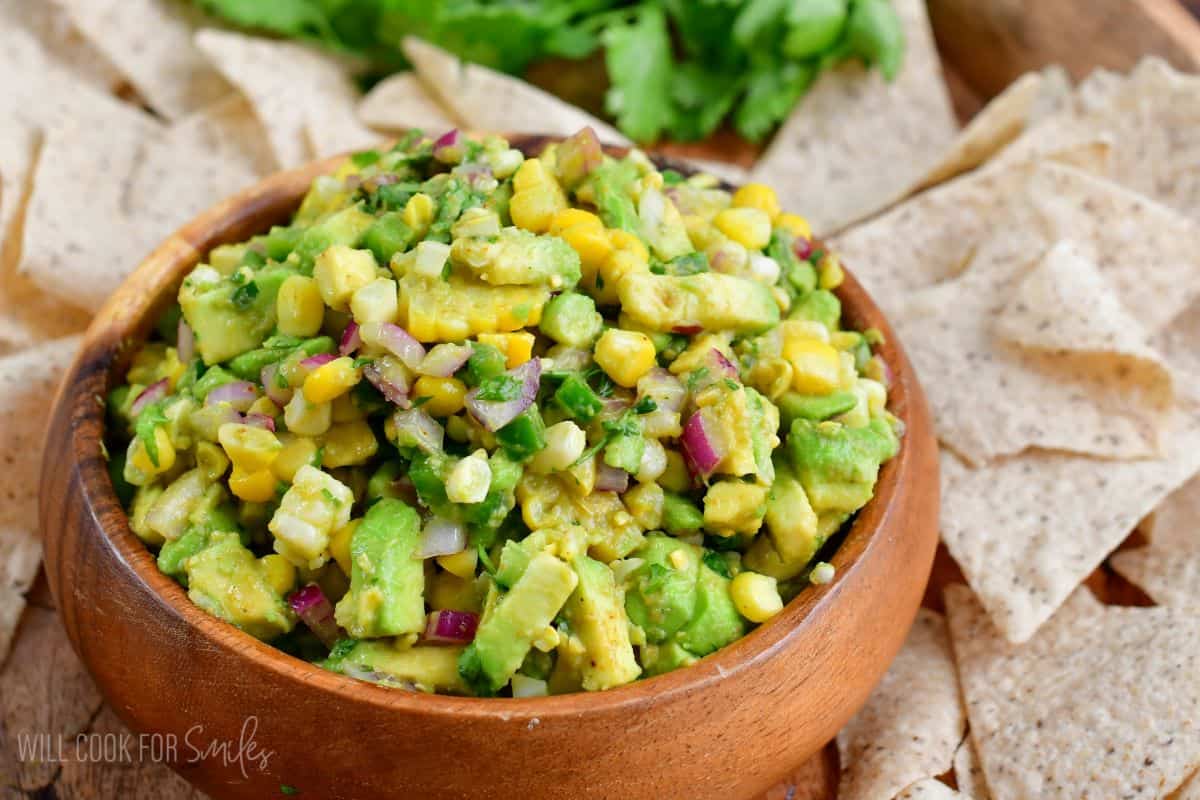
x=241, y=719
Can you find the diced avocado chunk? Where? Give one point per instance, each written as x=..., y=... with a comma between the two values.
x=387, y=578
x=429, y=669
x=713, y=300
x=566, y=542
x=793, y=406
x=660, y=595
x=838, y=465
x=578, y=399
x=175, y=553
x=249, y=366
x=662, y=226
x=227, y=581
x=346, y=227
x=660, y=658
x=791, y=521
x=716, y=621
x=680, y=515
x=571, y=319
x=485, y=362
x=748, y=425
x=507, y=631
x=229, y=319
x=820, y=306
x=595, y=614
x=524, y=436
x=518, y=257
x=611, y=184
x=389, y=235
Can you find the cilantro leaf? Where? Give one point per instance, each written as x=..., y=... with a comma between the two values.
x=638, y=57
x=148, y=421
x=499, y=388
x=243, y=296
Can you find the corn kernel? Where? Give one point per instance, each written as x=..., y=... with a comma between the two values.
x=340, y=271
x=460, y=564
x=339, y=545
x=546, y=641
x=476, y=222
x=375, y=302
x=418, y=213
x=756, y=596
x=675, y=477
x=532, y=209
x=619, y=264
x=517, y=347
x=830, y=273
x=791, y=329
x=749, y=227
x=345, y=409
x=530, y=174
x=757, y=195
x=624, y=240
x=816, y=366
x=794, y=224
x=876, y=396
x=446, y=395
x=570, y=217
x=349, y=444
x=645, y=503
x=305, y=418
x=211, y=460
x=257, y=486
x=249, y=448
x=315, y=506
x=592, y=244
x=297, y=452
x=280, y=573
x=139, y=457
x=331, y=380
x=469, y=479
x=565, y=443
x=625, y=355
x=299, y=307
x=844, y=340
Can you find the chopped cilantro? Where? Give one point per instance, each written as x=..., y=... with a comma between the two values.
x=329, y=498
x=420, y=401
x=147, y=423
x=671, y=177
x=717, y=563
x=243, y=296
x=499, y=388
x=342, y=648
x=318, y=456
x=645, y=406
x=731, y=384
x=486, y=560
x=696, y=377
x=365, y=158
x=362, y=361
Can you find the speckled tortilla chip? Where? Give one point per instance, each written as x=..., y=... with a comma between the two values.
x=1103, y=702
x=856, y=143
x=486, y=100
x=1190, y=790
x=401, y=101
x=930, y=789
x=60, y=42
x=302, y=97
x=150, y=42
x=27, y=382
x=1168, y=568
x=911, y=724
x=968, y=772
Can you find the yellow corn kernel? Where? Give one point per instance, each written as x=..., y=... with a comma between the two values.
x=458, y=429
x=645, y=503
x=345, y=409
x=619, y=264
x=749, y=227
x=418, y=213
x=299, y=307
x=140, y=459
x=532, y=209
x=446, y=395
x=592, y=244
x=280, y=573
x=624, y=240
x=339, y=544
x=460, y=564
x=756, y=596
x=331, y=380
x=250, y=449
x=211, y=460
x=876, y=396
x=297, y=452
x=791, y=329
x=517, y=347
x=816, y=366
x=760, y=196
x=530, y=174
x=772, y=376
x=844, y=340
x=349, y=444
x=625, y=355
x=256, y=486
x=264, y=406
x=829, y=272
x=794, y=224
x=676, y=477
x=570, y=217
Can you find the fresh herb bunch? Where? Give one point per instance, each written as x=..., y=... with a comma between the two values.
x=677, y=68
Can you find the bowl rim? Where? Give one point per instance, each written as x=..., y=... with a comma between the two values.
x=125, y=320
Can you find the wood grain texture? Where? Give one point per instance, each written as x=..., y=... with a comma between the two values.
x=729, y=727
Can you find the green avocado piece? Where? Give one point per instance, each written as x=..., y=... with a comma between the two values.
x=660, y=595
x=838, y=465
x=790, y=519
x=596, y=615
x=713, y=300
x=389, y=235
x=249, y=366
x=347, y=227
x=518, y=258
x=716, y=621
x=611, y=183
x=430, y=669
x=820, y=306
x=227, y=581
x=230, y=318
x=793, y=406
x=660, y=658
x=680, y=515
x=387, y=577
x=571, y=319
x=507, y=630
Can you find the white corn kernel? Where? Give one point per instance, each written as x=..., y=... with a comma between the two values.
x=565, y=443
x=469, y=479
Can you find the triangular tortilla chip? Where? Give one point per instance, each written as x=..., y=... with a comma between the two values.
x=61, y=43
x=930, y=789
x=968, y=772
x=486, y=100
x=27, y=382
x=855, y=143
x=1168, y=569
x=401, y=101
x=1190, y=790
x=150, y=42
x=1103, y=702
x=912, y=722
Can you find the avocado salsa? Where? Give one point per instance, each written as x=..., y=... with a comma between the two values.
x=477, y=423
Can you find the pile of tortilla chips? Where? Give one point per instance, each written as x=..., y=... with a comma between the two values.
x=1042, y=267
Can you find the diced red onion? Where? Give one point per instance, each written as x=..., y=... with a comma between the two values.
x=448, y=147
x=269, y=378
x=667, y=391
x=611, y=479
x=613, y=407
x=391, y=378
x=351, y=340
x=699, y=447
x=721, y=365
x=239, y=394
x=451, y=627
x=401, y=344
x=260, y=421
x=687, y=328
x=185, y=341
x=314, y=608
x=443, y=537
x=477, y=176
x=444, y=360
x=151, y=394
x=802, y=247
x=495, y=414
x=416, y=428
x=319, y=360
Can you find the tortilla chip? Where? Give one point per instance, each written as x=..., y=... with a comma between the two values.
x=27, y=382
x=1103, y=702
x=855, y=143
x=60, y=41
x=930, y=789
x=968, y=772
x=1190, y=790
x=1168, y=569
x=150, y=42
x=912, y=722
x=401, y=101
x=486, y=100
x=302, y=96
